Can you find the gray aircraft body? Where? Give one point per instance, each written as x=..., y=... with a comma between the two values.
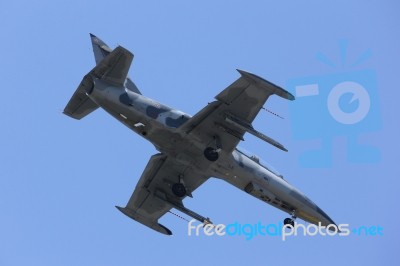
x=191, y=149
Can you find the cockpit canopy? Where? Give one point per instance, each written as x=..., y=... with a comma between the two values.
x=259, y=161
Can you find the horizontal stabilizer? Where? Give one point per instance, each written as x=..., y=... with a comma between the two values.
x=139, y=218
x=114, y=67
x=80, y=105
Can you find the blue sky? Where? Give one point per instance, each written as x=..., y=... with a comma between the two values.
x=60, y=178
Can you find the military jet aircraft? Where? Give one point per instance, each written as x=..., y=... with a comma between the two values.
x=191, y=148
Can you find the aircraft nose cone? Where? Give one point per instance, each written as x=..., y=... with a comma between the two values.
x=325, y=219
x=310, y=212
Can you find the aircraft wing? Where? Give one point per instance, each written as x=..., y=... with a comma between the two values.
x=230, y=117
x=153, y=196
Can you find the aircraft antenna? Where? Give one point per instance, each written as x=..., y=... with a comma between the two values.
x=177, y=215
x=272, y=112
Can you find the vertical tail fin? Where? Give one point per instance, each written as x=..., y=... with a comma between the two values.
x=101, y=50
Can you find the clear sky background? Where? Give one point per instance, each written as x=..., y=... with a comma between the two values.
x=60, y=178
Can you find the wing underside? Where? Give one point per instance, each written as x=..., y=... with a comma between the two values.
x=153, y=196
x=230, y=117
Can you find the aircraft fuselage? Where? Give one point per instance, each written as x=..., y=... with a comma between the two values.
x=161, y=125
